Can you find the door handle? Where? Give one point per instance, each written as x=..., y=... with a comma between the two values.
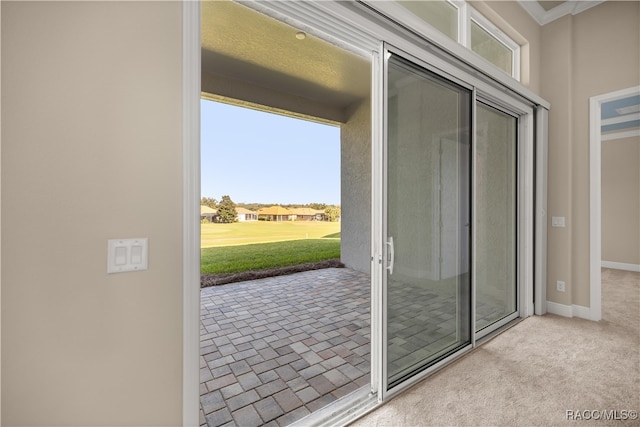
x=390, y=255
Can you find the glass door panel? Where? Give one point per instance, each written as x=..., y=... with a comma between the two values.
x=496, y=210
x=428, y=286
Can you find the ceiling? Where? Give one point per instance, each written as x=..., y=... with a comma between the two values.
x=620, y=116
x=548, y=11
x=254, y=59
x=548, y=5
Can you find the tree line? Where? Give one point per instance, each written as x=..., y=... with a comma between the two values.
x=227, y=208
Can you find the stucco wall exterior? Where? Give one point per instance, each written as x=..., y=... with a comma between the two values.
x=355, y=160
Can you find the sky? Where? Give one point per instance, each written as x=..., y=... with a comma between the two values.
x=257, y=157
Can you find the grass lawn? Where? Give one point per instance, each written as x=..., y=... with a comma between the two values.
x=260, y=256
x=259, y=245
x=245, y=233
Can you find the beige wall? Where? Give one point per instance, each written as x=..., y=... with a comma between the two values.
x=592, y=53
x=556, y=78
x=621, y=200
x=606, y=59
x=570, y=60
x=0, y=222
x=91, y=150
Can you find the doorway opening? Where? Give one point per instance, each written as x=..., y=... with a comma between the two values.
x=614, y=121
x=253, y=66
x=270, y=189
x=278, y=349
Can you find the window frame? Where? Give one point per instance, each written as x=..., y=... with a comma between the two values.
x=466, y=14
x=499, y=35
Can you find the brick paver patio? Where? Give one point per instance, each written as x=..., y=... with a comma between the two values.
x=274, y=350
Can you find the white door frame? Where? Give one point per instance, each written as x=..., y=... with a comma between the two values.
x=595, y=196
x=190, y=210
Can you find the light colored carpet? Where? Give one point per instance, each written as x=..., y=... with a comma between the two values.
x=533, y=373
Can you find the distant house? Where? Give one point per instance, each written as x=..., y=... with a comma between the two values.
x=246, y=215
x=209, y=213
x=308, y=214
x=276, y=213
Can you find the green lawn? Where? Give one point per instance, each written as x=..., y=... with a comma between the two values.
x=259, y=245
x=245, y=233
x=260, y=256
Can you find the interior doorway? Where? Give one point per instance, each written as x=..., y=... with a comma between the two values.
x=621, y=106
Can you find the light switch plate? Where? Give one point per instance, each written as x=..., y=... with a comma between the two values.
x=127, y=255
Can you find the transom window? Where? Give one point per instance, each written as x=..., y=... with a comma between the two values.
x=461, y=23
x=489, y=42
x=442, y=15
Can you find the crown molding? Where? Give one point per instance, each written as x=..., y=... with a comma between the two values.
x=571, y=7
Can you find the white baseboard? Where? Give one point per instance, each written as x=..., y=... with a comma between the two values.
x=581, y=312
x=620, y=266
x=569, y=310
x=559, y=309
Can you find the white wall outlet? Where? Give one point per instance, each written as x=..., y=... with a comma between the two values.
x=127, y=255
x=560, y=286
x=557, y=221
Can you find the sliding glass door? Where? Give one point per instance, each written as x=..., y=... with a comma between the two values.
x=451, y=255
x=428, y=282
x=496, y=217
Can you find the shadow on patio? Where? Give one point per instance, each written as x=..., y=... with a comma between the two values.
x=274, y=350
